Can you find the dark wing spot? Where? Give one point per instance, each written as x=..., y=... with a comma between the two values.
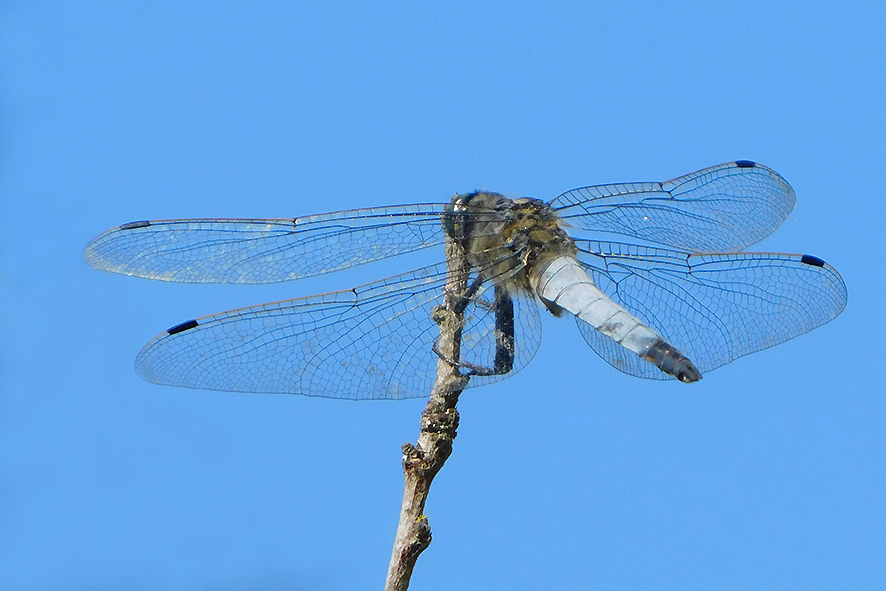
x=134, y=225
x=182, y=327
x=811, y=260
x=745, y=163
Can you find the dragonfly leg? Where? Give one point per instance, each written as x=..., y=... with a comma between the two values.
x=504, y=339
x=472, y=368
x=504, y=332
x=467, y=296
x=440, y=354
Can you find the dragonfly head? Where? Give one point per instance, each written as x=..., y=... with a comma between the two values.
x=468, y=208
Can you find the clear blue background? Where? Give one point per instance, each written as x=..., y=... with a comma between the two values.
x=768, y=474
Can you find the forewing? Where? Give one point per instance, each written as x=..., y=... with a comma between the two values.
x=372, y=342
x=723, y=208
x=263, y=250
x=713, y=307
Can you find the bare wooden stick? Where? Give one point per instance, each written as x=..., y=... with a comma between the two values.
x=439, y=422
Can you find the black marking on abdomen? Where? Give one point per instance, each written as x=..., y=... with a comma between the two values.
x=182, y=327
x=134, y=225
x=667, y=358
x=808, y=259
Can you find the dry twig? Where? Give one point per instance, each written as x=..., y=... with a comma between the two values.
x=439, y=422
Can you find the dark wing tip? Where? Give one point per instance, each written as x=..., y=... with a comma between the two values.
x=182, y=327
x=134, y=225
x=808, y=259
x=745, y=163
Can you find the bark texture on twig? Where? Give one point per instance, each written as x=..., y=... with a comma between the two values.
x=439, y=422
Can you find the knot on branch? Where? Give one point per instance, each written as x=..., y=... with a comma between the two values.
x=440, y=314
x=421, y=537
x=442, y=421
x=412, y=456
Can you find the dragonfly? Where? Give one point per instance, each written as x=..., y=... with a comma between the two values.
x=662, y=288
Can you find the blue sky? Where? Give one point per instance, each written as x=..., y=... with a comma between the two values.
x=767, y=474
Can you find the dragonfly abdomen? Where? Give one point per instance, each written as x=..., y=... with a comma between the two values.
x=565, y=284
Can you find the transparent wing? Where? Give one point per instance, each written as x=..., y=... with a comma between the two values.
x=712, y=307
x=263, y=250
x=723, y=208
x=371, y=342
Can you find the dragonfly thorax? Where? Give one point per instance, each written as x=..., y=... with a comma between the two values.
x=506, y=239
